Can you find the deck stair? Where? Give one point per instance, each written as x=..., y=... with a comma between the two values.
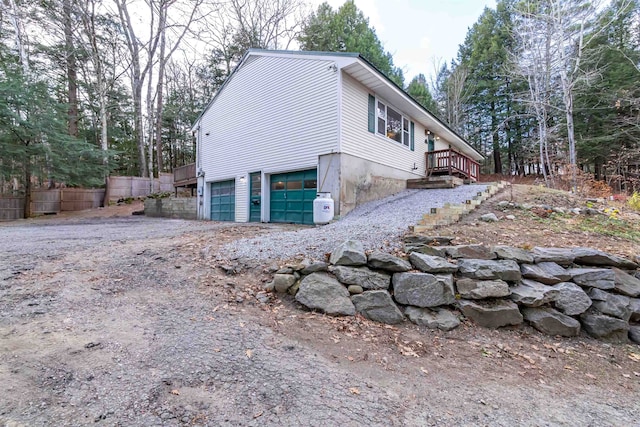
x=434, y=182
x=451, y=213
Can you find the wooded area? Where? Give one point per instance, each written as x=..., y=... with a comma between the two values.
x=93, y=87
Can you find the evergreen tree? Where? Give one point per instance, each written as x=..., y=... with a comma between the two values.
x=419, y=90
x=347, y=30
x=34, y=139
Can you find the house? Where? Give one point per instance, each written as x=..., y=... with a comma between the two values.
x=286, y=125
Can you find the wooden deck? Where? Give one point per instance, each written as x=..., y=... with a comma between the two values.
x=453, y=163
x=185, y=176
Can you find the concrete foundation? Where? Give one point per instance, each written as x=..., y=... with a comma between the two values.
x=172, y=207
x=362, y=181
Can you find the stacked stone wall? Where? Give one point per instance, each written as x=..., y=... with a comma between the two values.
x=558, y=291
x=171, y=207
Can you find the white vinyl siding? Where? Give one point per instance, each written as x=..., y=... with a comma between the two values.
x=359, y=142
x=275, y=114
x=242, y=198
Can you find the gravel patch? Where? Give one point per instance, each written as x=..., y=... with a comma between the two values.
x=377, y=224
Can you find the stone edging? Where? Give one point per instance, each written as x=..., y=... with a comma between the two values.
x=451, y=213
x=559, y=291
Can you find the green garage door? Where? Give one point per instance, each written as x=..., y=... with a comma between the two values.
x=223, y=200
x=292, y=196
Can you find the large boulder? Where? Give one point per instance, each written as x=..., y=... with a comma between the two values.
x=422, y=290
x=519, y=255
x=440, y=251
x=504, y=269
x=482, y=289
x=319, y=291
x=388, y=262
x=377, y=306
x=282, y=282
x=432, y=264
x=601, y=278
x=547, y=272
x=533, y=294
x=419, y=239
x=361, y=276
x=604, y=327
x=562, y=256
x=489, y=217
x=625, y=283
x=491, y=314
x=634, y=306
x=314, y=267
x=470, y=251
x=634, y=333
x=589, y=256
x=612, y=305
x=436, y=318
x=551, y=322
x=571, y=299
x=350, y=253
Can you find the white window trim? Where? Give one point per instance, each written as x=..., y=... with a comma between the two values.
x=403, y=116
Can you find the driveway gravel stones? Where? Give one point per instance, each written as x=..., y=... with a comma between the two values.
x=378, y=225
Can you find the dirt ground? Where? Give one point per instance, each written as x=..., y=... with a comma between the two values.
x=113, y=319
x=619, y=234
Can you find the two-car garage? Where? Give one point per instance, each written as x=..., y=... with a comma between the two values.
x=291, y=198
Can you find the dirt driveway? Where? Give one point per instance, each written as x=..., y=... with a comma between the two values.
x=129, y=321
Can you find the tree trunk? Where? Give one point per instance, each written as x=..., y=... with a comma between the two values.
x=72, y=70
x=27, y=187
x=497, y=161
x=160, y=88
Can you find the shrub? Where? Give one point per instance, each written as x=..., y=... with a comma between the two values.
x=634, y=201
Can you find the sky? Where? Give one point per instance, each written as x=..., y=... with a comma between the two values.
x=419, y=32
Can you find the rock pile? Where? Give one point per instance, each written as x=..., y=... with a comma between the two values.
x=559, y=291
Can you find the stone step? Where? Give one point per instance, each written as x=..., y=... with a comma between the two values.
x=451, y=213
x=434, y=182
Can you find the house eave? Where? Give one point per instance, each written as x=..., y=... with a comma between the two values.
x=382, y=86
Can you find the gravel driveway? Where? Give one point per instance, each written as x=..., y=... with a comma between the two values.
x=122, y=322
x=377, y=224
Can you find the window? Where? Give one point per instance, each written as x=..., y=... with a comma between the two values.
x=392, y=124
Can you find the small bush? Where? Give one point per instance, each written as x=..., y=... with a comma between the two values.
x=162, y=195
x=634, y=201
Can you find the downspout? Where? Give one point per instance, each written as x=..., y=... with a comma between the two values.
x=199, y=175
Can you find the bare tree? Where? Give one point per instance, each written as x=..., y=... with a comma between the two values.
x=138, y=74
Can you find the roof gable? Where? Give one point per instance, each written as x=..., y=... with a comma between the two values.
x=368, y=75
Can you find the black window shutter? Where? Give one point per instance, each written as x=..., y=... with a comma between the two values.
x=411, y=137
x=372, y=114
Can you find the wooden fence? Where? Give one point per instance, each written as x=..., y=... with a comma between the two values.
x=122, y=187
x=45, y=202
x=11, y=208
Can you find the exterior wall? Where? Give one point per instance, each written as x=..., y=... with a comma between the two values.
x=329, y=171
x=359, y=142
x=181, y=207
x=362, y=181
x=275, y=114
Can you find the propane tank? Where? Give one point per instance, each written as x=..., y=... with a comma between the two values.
x=322, y=209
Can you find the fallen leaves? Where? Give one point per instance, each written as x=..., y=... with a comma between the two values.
x=634, y=356
x=176, y=392
x=249, y=353
x=354, y=390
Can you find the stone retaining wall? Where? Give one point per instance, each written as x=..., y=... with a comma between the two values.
x=171, y=207
x=558, y=291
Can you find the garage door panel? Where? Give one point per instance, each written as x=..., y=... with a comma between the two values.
x=292, y=196
x=223, y=200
